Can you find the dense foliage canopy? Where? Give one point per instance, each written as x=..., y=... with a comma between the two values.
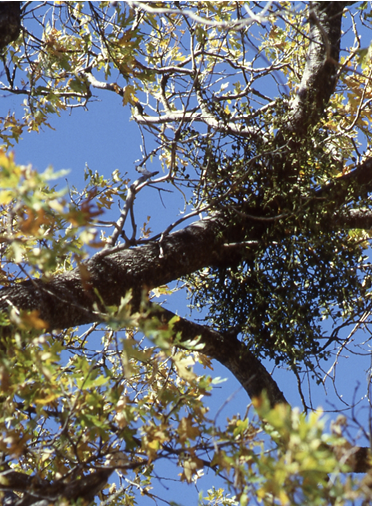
x=259, y=115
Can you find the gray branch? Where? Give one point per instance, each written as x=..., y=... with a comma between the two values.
x=320, y=72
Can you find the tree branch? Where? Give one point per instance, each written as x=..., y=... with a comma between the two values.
x=354, y=218
x=253, y=376
x=233, y=354
x=10, y=22
x=354, y=184
x=67, y=300
x=320, y=72
x=36, y=490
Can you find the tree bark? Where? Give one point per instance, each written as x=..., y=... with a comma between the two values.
x=44, y=493
x=10, y=22
x=233, y=354
x=68, y=300
x=320, y=73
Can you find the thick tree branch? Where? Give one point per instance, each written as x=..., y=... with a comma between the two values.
x=36, y=490
x=354, y=184
x=67, y=300
x=354, y=218
x=10, y=22
x=234, y=355
x=320, y=72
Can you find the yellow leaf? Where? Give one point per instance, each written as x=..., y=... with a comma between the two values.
x=32, y=320
x=129, y=95
x=183, y=367
x=6, y=196
x=205, y=361
x=4, y=480
x=187, y=430
x=190, y=468
x=46, y=400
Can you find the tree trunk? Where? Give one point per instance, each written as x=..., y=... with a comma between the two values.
x=10, y=22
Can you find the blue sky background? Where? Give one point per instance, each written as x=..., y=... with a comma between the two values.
x=104, y=138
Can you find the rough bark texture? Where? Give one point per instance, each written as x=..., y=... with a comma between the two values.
x=320, y=73
x=44, y=493
x=67, y=300
x=234, y=355
x=10, y=22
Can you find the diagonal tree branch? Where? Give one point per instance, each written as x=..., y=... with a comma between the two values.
x=67, y=301
x=357, y=183
x=233, y=354
x=253, y=376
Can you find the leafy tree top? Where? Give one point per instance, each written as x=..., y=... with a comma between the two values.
x=258, y=116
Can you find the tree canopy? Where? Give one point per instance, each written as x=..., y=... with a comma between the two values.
x=259, y=115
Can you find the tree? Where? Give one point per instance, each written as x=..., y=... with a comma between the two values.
x=260, y=118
